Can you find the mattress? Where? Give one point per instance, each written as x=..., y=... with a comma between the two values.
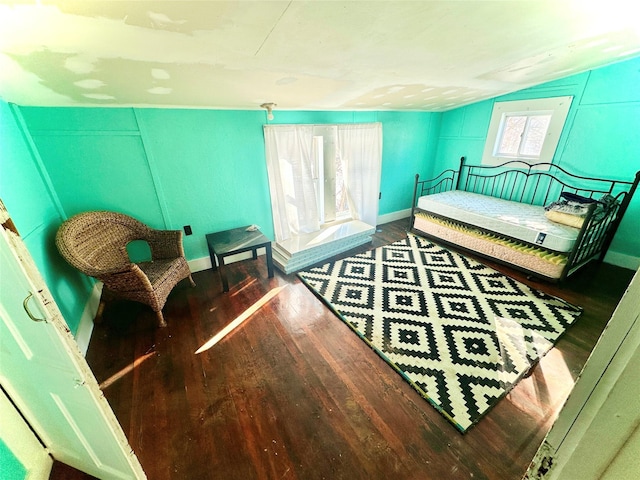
x=512, y=219
x=536, y=259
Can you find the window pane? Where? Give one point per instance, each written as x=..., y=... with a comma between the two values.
x=511, y=135
x=535, y=134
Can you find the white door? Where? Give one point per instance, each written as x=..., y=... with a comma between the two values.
x=597, y=433
x=44, y=373
x=31, y=457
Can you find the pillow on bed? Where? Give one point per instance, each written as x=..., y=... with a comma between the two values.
x=570, y=209
x=565, y=218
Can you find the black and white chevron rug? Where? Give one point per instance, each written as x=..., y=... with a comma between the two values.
x=460, y=333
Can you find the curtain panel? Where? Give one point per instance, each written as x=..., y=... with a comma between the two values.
x=292, y=169
x=360, y=150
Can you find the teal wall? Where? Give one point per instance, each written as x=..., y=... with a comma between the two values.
x=206, y=168
x=169, y=168
x=601, y=136
x=10, y=467
x=26, y=192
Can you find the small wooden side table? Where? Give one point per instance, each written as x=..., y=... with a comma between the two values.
x=234, y=241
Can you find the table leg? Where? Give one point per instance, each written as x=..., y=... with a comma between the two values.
x=223, y=275
x=269, y=259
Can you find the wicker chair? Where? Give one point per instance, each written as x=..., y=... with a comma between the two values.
x=96, y=244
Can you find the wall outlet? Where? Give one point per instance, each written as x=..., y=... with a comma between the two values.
x=187, y=230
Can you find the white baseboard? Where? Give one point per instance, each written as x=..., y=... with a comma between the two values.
x=204, y=263
x=622, y=260
x=85, y=328
x=614, y=258
x=393, y=216
x=199, y=264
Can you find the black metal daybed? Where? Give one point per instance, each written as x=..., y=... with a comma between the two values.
x=540, y=218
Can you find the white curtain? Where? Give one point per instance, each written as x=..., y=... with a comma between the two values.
x=291, y=169
x=360, y=150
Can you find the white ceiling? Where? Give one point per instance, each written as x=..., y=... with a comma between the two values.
x=310, y=55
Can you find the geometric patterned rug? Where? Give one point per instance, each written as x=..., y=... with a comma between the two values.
x=461, y=333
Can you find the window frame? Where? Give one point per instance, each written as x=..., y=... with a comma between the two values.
x=558, y=107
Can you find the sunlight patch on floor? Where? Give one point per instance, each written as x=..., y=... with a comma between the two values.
x=247, y=284
x=550, y=383
x=239, y=320
x=129, y=368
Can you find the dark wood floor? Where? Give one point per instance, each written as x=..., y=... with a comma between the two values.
x=294, y=394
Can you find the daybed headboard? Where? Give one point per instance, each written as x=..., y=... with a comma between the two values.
x=539, y=184
x=521, y=182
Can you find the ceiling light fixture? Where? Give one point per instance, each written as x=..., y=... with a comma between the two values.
x=269, y=108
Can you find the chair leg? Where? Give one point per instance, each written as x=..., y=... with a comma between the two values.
x=161, y=322
x=98, y=318
x=193, y=284
x=106, y=297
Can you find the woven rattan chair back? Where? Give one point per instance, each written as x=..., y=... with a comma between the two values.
x=96, y=244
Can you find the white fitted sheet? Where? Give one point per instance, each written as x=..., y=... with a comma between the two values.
x=517, y=220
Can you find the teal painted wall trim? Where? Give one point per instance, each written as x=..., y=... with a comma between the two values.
x=151, y=163
x=27, y=191
x=33, y=153
x=600, y=136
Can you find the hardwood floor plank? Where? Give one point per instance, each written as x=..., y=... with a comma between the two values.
x=293, y=393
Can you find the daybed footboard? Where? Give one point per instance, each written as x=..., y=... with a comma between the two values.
x=527, y=184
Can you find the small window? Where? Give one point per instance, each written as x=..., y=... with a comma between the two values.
x=526, y=130
x=522, y=136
